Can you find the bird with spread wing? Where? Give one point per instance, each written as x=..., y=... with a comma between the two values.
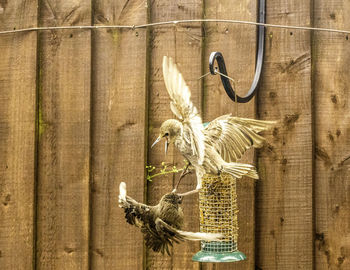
x=213, y=149
x=161, y=224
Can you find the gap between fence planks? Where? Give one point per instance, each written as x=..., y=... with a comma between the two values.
x=17, y=136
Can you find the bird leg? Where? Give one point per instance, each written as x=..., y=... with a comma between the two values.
x=183, y=174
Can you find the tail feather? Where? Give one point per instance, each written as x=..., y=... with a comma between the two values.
x=198, y=236
x=238, y=170
x=183, y=235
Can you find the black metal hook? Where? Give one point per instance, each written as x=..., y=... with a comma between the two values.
x=259, y=62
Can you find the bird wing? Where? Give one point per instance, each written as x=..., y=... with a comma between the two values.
x=175, y=234
x=182, y=106
x=232, y=136
x=135, y=213
x=144, y=217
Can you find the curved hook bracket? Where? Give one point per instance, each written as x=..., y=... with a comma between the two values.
x=259, y=62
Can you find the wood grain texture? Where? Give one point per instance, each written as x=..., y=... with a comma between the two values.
x=119, y=115
x=64, y=137
x=331, y=54
x=183, y=43
x=80, y=108
x=237, y=43
x=17, y=135
x=284, y=225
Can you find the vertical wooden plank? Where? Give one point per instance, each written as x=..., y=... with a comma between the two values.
x=17, y=134
x=237, y=43
x=331, y=54
x=183, y=43
x=284, y=226
x=118, y=131
x=64, y=137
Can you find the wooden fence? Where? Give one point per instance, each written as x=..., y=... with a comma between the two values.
x=79, y=109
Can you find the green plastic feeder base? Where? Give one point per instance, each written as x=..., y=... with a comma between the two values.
x=218, y=252
x=203, y=256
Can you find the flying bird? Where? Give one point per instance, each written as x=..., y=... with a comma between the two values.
x=213, y=149
x=161, y=224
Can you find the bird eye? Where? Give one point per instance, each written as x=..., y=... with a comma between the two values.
x=166, y=134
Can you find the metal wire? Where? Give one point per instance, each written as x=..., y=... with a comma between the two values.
x=133, y=27
x=218, y=72
x=204, y=75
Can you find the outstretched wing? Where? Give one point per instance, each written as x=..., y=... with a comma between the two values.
x=141, y=215
x=136, y=213
x=179, y=92
x=182, y=106
x=232, y=136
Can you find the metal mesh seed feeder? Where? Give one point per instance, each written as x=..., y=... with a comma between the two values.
x=218, y=214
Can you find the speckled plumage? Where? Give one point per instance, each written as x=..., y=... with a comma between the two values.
x=212, y=149
x=161, y=224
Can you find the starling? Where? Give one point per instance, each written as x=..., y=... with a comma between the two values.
x=213, y=149
x=161, y=224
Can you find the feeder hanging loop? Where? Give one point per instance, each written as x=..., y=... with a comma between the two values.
x=259, y=62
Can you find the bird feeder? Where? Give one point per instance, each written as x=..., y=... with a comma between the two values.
x=218, y=214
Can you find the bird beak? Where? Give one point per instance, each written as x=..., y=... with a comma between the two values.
x=166, y=145
x=156, y=141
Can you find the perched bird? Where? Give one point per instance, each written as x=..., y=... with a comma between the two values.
x=161, y=224
x=213, y=149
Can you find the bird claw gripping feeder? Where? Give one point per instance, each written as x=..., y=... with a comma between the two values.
x=218, y=197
